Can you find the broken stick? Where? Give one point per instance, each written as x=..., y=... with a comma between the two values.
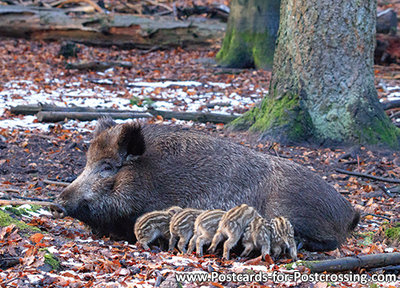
x=352, y=263
x=57, y=116
x=389, y=180
x=59, y=183
x=23, y=202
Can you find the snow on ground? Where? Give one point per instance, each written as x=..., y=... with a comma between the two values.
x=168, y=95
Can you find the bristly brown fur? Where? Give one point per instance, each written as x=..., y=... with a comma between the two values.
x=172, y=166
x=232, y=226
x=257, y=235
x=181, y=226
x=282, y=238
x=205, y=227
x=154, y=224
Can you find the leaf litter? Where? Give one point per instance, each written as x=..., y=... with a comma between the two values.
x=64, y=253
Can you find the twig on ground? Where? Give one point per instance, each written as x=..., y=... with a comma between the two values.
x=29, y=198
x=91, y=3
x=352, y=263
x=60, y=183
x=386, y=191
x=23, y=202
x=389, y=180
x=378, y=216
x=391, y=104
x=11, y=190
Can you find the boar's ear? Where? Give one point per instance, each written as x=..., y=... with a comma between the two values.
x=103, y=124
x=131, y=140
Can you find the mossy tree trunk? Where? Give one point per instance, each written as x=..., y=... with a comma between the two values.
x=251, y=34
x=322, y=89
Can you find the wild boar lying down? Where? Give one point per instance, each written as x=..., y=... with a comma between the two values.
x=132, y=170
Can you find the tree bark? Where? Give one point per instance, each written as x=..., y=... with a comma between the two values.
x=251, y=34
x=322, y=89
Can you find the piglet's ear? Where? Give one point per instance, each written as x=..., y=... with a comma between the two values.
x=131, y=140
x=104, y=123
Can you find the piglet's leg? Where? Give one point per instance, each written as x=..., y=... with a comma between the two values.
x=192, y=243
x=218, y=237
x=172, y=242
x=228, y=245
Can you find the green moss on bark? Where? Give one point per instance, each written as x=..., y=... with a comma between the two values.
x=251, y=34
x=246, y=50
x=279, y=118
x=381, y=132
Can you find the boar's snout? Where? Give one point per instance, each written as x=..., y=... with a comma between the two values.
x=58, y=211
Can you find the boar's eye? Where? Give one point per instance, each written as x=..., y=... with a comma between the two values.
x=106, y=169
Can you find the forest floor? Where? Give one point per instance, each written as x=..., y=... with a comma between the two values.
x=64, y=253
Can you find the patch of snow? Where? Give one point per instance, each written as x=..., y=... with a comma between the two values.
x=220, y=85
x=32, y=278
x=88, y=240
x=20, y=92
x=52, y=249
x=165, y=84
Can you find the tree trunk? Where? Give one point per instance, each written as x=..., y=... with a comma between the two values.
x=251, y=34
x=322, y=89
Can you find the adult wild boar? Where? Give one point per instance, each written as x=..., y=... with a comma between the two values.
x=132, y=170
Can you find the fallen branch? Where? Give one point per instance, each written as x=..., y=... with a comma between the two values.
x=389, y=180
x=51, y=182
x=386, y=22
x=353, y=263
x=195, y=116
x=159, y=4
x=11, y=190
x=386, y=190
x=215, y=11
x=6, y=263
x=57, y=116
x=23, y=202
x=392, y=268
x=91, y=3
x=27, y=198
x=395, y=115
x=391, y=104
x=378, y=216
x=36, y=108
x=97, y=65
x=50, y=113
x=113, y=29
